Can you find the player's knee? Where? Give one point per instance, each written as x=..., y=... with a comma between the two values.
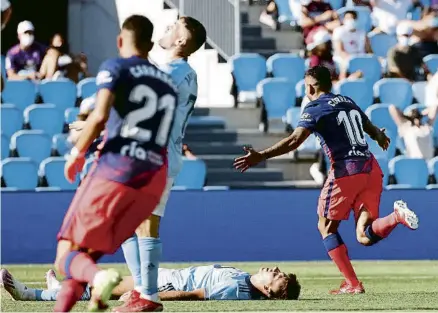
x=149, y=228
x=326, y=226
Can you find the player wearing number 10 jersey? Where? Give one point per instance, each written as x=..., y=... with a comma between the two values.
x=355, y=178
x=136, y=104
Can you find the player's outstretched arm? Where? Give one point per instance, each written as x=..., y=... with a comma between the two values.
x=284, y=146
x=173, y=295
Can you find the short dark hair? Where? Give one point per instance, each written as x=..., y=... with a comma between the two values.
x=353, y=13
x=197, y=31
x=322, y=76
x=292, y=289
x=142, y=29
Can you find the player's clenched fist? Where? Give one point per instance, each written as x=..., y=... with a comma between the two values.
x=73, y=166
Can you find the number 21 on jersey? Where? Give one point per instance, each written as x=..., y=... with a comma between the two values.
x=153, y=104
x=352, y=122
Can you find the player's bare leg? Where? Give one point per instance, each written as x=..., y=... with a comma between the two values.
x=370, y=231
x=339, y=254
x=80, y=268
x=144, y=298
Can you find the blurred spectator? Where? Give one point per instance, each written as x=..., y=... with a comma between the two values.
x=416, y=130
x=387, y=13
x=269, y=16
x=404, y=60
x=315, y=14
x=432, y=91
x=425, y=35
x=188, y=153
x=320, y=53
x=58, y=63
x=85, y=109
x=349, y=41
x=23, y=60
x=6, y=13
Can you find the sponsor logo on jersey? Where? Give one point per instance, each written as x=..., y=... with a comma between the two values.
x=306, y=117
x=103, y=77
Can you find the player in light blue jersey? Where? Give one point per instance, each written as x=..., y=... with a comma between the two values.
x=143, y=251
x=212, y=282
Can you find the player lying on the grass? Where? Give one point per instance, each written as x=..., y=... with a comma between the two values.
x=212, y=282
x=355, y=180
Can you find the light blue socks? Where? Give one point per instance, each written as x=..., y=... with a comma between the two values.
x=150, y=255
x=132, y=256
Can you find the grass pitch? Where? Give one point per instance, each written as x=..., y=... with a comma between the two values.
x=390, y=286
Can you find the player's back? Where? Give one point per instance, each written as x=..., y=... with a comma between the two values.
x=338, y=124
x=138, y=128
x=185, y=79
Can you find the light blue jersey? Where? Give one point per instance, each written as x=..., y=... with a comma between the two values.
x=185, y=79
x=219, y=282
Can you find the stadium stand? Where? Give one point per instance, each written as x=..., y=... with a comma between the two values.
x=20, y=93
x=52, y=170
x=358, y=90
x=20, y=173
x=381, y=43
x=45, y=117
x=396, y=91
x=33, y=144
x=402, y=167
x=86, y=87
x=62, y=93
x=431, y=62
x=192, y=175
x=11, y=118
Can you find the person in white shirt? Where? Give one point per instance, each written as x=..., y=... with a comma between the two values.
x=387, y=13
x=348, y=40
x=432, y=91
x=416, y=133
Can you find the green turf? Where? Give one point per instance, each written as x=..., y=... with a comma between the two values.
x=408, y=286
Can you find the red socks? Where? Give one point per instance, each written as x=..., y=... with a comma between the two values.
x=339, y=254
x=383, y=226
x=79, y=266
x=69, y=294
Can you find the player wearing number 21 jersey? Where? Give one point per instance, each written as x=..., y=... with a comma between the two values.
x=135, y=104
x=355, y=178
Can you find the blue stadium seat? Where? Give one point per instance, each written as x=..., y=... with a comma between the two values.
x=300, y=89
x=395, y=91
x=417, y=106
x=60, y=144
x=286, y=65
x=363, y=16
x=62, y=93
x=278, y=96
x=379, y=115
x=192, y=175
x=433, y=167
x=284, y=13
x=71, y=115
x=5, y=147
x=419, y=91
x=21, y=93
x=53, y=170
x=3, y=66
x=20, y=173
x=87, y=87
x=45, y=117
x=369, y=65
x=431, y=62
x=381, y=43
x=403, y=168
x=336, y=4
x=34, y=144
x=358, y=90
x=11, y=119
x=383, y=162
x=293, y=116
x=248, y=70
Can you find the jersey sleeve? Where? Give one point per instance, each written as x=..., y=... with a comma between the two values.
x=108, y=75
x=308, y=118
x=227, y=290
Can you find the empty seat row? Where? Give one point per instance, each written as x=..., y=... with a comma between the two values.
x=63, y=93
x=25, y=174
x=46, y=117
x=403, y=168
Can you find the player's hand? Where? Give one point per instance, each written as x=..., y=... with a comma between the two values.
x=73, y=167
x=251, y=158
x=77, y=125
x=383, y=140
